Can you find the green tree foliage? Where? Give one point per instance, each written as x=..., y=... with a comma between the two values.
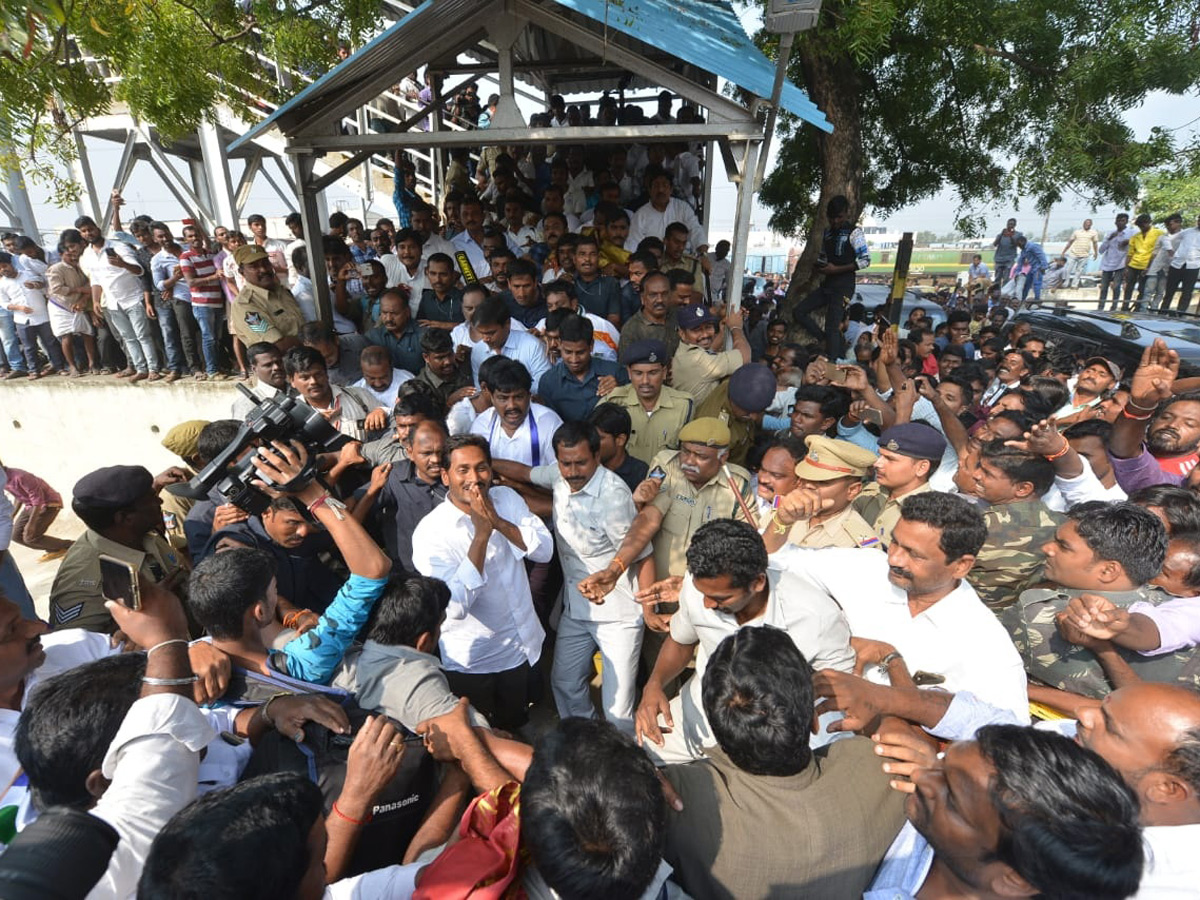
x=992, y=99
x=176, y=59
x=1174, y=188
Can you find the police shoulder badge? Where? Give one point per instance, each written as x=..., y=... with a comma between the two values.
x=256, y=323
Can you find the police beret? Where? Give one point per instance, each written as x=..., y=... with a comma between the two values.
x=752, y=387
x=707, y=430
x=829, y=459
x=914, y=439
x=647, y=351
x=114, y=487
x=695, y=315
x=183, y=439
x=248, y=254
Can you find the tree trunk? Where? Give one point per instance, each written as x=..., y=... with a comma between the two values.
x=832, y=81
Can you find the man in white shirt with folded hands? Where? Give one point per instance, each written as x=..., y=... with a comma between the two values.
x=477, y=542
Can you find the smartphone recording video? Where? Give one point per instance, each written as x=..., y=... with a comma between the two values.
x=118, y=582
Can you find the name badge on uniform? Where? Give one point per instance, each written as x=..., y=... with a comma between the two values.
x=256, y=323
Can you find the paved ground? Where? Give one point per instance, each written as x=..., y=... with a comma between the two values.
x=39, y=576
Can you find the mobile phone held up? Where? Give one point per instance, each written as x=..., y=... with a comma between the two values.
x=657, y=473
x=118, y=582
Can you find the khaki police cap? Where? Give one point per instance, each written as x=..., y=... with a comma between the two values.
x=248, y=254
x=828, y=459
x=184, y=439
x=707, y=430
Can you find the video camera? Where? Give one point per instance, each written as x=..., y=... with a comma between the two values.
x=285, y=420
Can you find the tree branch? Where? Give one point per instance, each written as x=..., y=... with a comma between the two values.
x=1018, y=61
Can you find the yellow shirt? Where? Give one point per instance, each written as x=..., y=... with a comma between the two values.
x=1141, y=248
x=685, y=508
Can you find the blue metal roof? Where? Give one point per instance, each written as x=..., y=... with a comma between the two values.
x=707, y=34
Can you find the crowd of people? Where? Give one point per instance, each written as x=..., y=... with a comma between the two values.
x=608, y=588
x=1144, y=266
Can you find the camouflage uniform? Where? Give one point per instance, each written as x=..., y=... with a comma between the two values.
x=1051, y=660
x=1011, y=558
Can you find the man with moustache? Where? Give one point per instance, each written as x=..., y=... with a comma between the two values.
x=477, y=541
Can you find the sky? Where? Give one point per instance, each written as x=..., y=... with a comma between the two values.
x=146, y=194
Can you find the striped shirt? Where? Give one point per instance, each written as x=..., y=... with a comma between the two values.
x=196, y=264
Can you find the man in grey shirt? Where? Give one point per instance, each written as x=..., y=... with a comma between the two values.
x=396, y=672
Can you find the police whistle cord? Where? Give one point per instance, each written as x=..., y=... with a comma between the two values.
x=750, y=517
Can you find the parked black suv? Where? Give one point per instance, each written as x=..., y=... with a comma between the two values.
x=1119, y=336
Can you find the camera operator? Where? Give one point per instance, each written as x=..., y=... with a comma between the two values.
x=234, y=594
x=348, y=410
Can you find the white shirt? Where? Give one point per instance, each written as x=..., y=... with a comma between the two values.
x=537, y=431
x=435, y=243
x=395, y=269
x=812, y=620
x=648, y=222
x=122, y=289
x=16, y=292
x=463, y=241
x=153, y=764
x=589, y=526
x=958, y=637
x=416, y=283
x=293, y=275
x=575, y=196
x=386, y=397
x=1172, y=864
x=1187, y=251
x=490, y=625
x=521, y=346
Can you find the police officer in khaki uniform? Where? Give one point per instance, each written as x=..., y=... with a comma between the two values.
x=909, y=453
x=686, y=488
x=819, y=512
x=656, y=411
x=264, y=310
x=697, y=368
x=740, y=402
x=123, y=512
x=183, y=441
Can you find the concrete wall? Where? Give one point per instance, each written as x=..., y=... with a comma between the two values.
x=62, y=428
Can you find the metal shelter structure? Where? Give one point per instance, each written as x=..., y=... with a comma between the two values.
x=559, y=46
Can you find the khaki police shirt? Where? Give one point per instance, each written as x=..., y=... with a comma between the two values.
x=742, y=432
x=75, y=599
x=881, y=510
x=685, y=508
x=846, y=529
x=259, y=315
x=657, y=429
x=174, y=511
x=698, y=371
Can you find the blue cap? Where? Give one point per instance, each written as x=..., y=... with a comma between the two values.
x=752, y=387
x=647, y=351
x=915, y=439
x=695, y=315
